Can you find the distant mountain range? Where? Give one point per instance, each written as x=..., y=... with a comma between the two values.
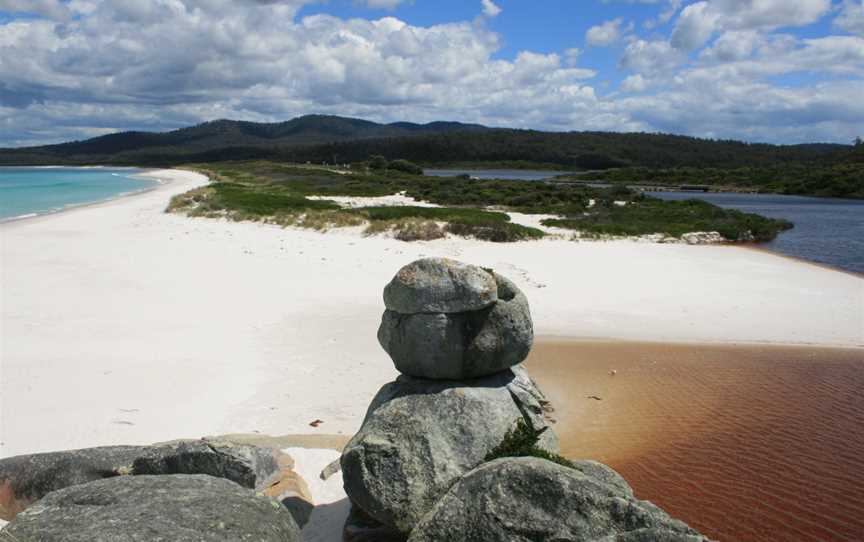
x=338, y=139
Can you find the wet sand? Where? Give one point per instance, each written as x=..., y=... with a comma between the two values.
x=742, y=442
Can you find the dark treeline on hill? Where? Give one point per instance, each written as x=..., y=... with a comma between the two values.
x=318, y=138
x=222, y=140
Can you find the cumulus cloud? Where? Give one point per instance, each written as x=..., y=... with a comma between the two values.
x=851, y=18
x=733, y=45
x=728, y=93
x=53, y=9
x=71, y=70
x=634, y=83
x=752, y=57
x=169, y=64
x=605, y=34
x=699, y=21
x=754, y=111
x=490, y=9
x=650, y=57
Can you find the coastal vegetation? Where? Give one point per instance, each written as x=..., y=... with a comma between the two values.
x=674, y=218
x=839, y=180
x=291, y=195
x=809, y=169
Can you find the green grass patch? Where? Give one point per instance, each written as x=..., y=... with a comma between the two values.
x=255, y=201
x=443, y=214
x=464, y=222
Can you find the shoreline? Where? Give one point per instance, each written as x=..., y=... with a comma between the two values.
x=162, y=177
x=827, y=266
x=143, y=310
x=585, y=340
x=151, y=173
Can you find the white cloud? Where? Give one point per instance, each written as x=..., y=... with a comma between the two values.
x=571, y=55
x=383, y=4
x=149, y=65
x=699, y=21
x=117, y=65
x=490, y=9
x=650, y=57
x=604, y=34
x=755, y=57
x=634, y=83
x=733, y=45
x=53, y=9
x=670, y=11
x=851, y=18
x=665, y=16
x=695, y=25
x=754, y=111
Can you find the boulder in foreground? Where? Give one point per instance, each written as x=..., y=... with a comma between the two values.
x=527, y=499
x=26, y=479
x=420, y=436
x=179, y=508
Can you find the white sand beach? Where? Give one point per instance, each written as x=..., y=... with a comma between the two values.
x=123, y=324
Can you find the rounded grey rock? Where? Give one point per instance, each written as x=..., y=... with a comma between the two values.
x=461, y=345
x=505, y=335
x=530, y=499
x=26, y=479
x=419, y=436
x=440, y=285
x=179, y=507
x=426, y=345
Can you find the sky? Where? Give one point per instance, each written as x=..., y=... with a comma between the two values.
x=779, y=71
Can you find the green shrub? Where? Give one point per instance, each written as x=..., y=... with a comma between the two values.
x=418, y=230
x=406, y=167
x=497, y=232
x=521, y=441
x=442, y=214
x=675, y=218
x=377, y=162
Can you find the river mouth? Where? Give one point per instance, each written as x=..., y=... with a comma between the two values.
x=741, y=442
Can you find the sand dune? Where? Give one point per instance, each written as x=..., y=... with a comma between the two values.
x=124, y=324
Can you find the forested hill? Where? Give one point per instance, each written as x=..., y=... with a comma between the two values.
x=320, y=138
x=218, y=137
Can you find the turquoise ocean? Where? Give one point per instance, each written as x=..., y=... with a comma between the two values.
x=30, y=191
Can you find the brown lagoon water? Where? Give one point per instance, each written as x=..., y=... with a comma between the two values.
x=742, y=442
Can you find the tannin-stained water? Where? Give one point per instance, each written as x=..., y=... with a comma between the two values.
x=741, y=442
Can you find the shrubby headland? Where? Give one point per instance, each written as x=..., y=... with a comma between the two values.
x=432, y=207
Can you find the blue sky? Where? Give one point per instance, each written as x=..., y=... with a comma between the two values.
x=783, y=71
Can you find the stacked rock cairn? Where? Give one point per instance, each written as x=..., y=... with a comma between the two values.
x=419, y=469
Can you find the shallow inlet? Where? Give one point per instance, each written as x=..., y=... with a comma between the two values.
x=741, y=442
